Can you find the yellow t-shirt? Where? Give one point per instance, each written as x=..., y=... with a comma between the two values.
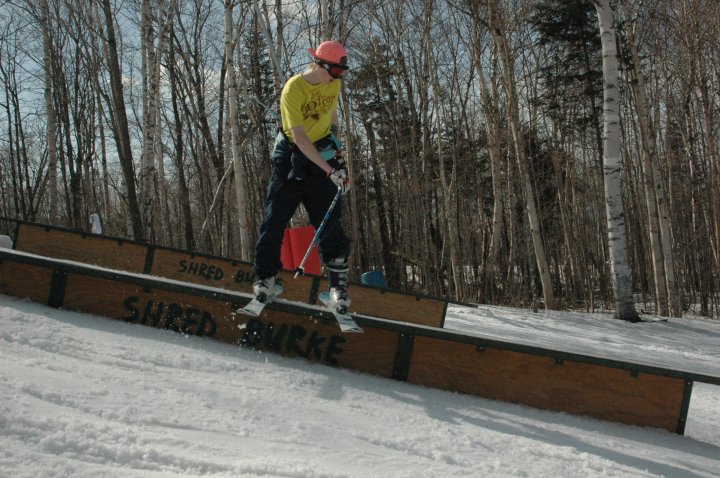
x=309, y=105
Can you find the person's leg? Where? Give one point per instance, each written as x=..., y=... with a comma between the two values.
x=282, y=200
x=334, y=245
x=317, y=199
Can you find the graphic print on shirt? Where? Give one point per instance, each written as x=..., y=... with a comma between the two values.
x=317, y=105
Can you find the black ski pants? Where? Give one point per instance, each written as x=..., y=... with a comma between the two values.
x=286, y=192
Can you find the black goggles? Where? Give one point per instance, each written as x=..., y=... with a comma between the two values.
x=333, y=69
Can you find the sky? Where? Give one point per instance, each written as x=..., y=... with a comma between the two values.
x=87, y=396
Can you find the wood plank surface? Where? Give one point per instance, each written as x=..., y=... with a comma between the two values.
x=321, y=340
x=285, y=333
x=185, y=313
x=442, y=360
x=217, y=272
x=223, y=273
x=25, y=281
x=73, y=246
x=394, y=305
x=541, y=382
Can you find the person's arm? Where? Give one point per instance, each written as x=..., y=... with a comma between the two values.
x=308, y=148
x=337, y=176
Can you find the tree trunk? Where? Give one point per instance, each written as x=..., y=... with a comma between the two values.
x=661, y=241
x=507, y=63
x=492, y=131
x=186, y=212
x=51, y=118
x=455, y=269
x=120, y=124
x=148, y=172
x=386, y=243
x=152, y=54
x=240, y=180
x=613, y=168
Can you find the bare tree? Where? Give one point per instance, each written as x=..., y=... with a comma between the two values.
x=151, y=160
x=489, y=104
x=50, y=110
x=660, y=236
x=233, y=94
x=120, y=125
x=613, y=168
x=497, y=29
x=473, y=132
x=25, y=169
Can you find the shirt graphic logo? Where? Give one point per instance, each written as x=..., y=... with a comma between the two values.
x=317, y=106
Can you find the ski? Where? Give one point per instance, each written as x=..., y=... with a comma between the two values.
x=344, y=320
x=255, y=307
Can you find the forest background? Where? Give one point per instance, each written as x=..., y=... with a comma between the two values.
x=474, y=132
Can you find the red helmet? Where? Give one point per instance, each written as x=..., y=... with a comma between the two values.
x=331, y=52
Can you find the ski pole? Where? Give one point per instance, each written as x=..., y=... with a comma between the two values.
x=301, y=268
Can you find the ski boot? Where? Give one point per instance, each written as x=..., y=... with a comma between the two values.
x=339, y=280
x=264, y=288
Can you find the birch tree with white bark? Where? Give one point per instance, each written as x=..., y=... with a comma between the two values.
x=152, y=51
x=234, y=126
x=656, y=201
x=613, y=167
x=50, y=110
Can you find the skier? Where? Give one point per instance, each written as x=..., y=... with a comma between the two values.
x=308, y=167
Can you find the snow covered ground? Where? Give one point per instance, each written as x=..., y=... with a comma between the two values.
x=84, y=396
